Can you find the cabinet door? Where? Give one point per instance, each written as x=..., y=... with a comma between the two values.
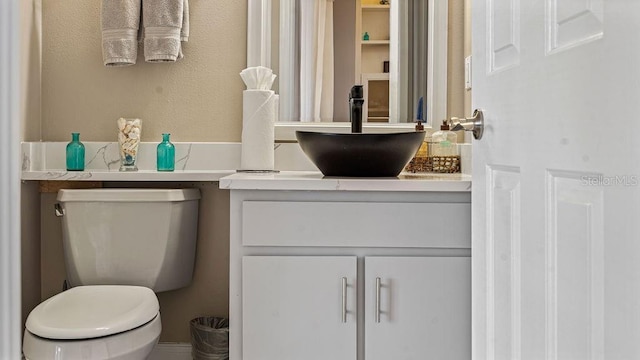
x=298, y=307
x=424, y=306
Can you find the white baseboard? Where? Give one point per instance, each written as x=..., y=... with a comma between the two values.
x=171, y=351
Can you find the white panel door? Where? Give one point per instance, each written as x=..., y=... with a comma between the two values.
x=292, y=307
x=417, y=308
x=556, y=201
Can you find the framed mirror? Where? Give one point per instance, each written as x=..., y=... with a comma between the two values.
x=398, y=62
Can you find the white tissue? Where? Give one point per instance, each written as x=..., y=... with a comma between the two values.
x=258, y=78
x=258, y=117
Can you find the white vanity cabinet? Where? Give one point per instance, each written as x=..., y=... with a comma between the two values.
x=417, y=308
x=349, y=275
x=297, y=307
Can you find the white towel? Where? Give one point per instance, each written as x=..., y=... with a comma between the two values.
x=184, y=31
x=166, y=24
x=120, y=23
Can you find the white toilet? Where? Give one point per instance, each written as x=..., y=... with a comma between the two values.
x=120, y=246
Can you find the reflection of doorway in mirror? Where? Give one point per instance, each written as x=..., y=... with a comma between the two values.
x=306, y=59
x=371, y=55
x=398, y=37
x=376, y=95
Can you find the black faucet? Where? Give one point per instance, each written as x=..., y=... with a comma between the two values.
x=356, y=99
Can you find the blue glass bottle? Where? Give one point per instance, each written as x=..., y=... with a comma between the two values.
x=75, y=153
x=166, y=154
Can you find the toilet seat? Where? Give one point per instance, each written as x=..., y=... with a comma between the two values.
x=134, y=344
x=87, y=312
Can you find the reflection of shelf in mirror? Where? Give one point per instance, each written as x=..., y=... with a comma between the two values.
x=379, y=112
x=375, y=42
x=374, y=76
x=375, y=7
x=378, y=119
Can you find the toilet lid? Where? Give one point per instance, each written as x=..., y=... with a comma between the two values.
x=86, y=312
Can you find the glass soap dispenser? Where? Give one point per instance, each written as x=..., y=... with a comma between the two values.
x=444, y=150
x=75, y=153
x=166, y=154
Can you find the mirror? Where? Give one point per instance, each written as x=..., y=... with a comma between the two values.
x=401, y=58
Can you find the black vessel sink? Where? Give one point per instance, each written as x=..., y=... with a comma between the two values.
x=360, y=155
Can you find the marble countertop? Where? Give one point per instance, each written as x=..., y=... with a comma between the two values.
x=42, y=161
x=314, y=180
x=115, y=175
x=286, y=180
x=46, y=161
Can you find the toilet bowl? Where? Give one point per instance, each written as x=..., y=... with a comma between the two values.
x=121, y=246
x=94, y=322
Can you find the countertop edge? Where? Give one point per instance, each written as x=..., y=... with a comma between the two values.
x=314, y=181
x=283, y=181
x=146, y=175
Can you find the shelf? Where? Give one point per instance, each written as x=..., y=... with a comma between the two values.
x=374, y=76
x=378, y=119
x=375, y=42
x=376, y=7
x=382, y=112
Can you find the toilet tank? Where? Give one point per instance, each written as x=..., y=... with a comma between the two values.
x=144, y=237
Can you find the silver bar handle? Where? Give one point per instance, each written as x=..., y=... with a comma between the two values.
x=344, y=299
x=378, y=299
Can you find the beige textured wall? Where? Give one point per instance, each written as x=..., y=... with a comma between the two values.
x=467, y=50
x=198, y=98
x=30, y=247
x=455, y=60
x=30, y=75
